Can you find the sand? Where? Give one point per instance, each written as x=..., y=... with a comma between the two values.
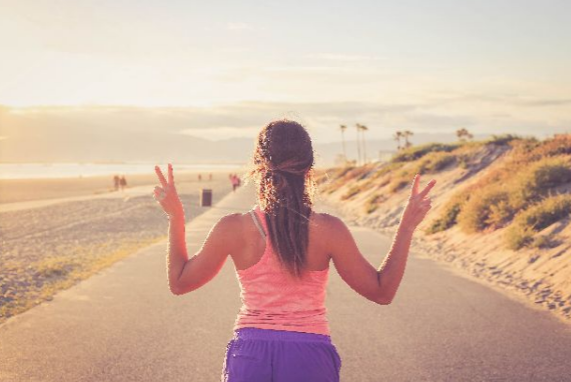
x=540, y=278
x=58, y=232
x=21, y=190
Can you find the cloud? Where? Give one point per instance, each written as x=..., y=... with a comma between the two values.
x=344, y=57
x=299, y=69
x=481, y=114
x=239, y=27
x=547, y=102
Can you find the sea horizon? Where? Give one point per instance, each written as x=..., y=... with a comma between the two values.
x=40, y=170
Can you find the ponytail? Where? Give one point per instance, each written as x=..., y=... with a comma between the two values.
x=283, y=171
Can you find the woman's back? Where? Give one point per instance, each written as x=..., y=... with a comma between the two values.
x=281, y=333
x=271, y=297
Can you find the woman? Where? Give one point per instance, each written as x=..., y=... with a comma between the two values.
x=281, y=251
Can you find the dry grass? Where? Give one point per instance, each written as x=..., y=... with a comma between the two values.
x=430, y=163
x=373, y=203
x=498, y=203
x=451, y=210
x=534, y=169
x=536, y=218
x=56, y=273
x=416, y=152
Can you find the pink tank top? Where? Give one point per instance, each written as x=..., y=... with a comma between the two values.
x=273, y=299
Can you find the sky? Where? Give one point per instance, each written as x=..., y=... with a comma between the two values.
x=220, y=69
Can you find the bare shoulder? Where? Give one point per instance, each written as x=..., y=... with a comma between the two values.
x=327, y=224
x=230, y=223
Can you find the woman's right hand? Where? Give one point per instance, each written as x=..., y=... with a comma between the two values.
x=418, y=204
x=167, y=195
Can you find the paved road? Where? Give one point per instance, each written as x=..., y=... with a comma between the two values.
x=124, y=325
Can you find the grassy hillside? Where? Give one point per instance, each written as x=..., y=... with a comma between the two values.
x=501, y=208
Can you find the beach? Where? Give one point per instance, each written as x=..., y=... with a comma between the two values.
x=57, y=232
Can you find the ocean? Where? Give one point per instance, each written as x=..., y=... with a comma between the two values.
x=74, y=170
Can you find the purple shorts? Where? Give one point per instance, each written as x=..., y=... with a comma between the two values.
x=267, y=355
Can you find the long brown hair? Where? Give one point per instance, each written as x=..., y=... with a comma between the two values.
x=283, y=172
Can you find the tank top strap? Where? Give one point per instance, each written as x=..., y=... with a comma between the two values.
x=258, y=223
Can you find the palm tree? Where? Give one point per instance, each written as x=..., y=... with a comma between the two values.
x=406, y=134
x=397, y=137
x=364, y=128
x=358, y=144
x=343, y=128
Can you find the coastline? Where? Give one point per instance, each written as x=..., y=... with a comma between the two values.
x=76, y=227
x=22, y=190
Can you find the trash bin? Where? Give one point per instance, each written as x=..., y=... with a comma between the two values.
x=205, y=197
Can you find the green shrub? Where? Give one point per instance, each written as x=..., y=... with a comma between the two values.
x=431, y=163
x=397, y=184
x=542, y=241
x=451, y=210
x=417, y=152
x=344, y=171
x=373, y=203
x=501, y=140
x=446, y=221
x=537, y=218
x=351, y=192
x=517, y=236
x=478, y=214
x=536, y=180
x=545, y=213
x=530, y=150
x=436, y=162
x=463, y=161
x=504, y=195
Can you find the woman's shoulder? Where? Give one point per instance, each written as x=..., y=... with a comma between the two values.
x=234, y=219
x=236, y=222
x=325, y=221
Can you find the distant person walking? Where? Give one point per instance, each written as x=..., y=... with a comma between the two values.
x=235, y=181
x=123, y=182
x=116, y=182
x=200, y=177
x=210, y=176
x=282, y=249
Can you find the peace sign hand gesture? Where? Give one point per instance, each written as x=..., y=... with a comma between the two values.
x=418, y=204
x=167, y=195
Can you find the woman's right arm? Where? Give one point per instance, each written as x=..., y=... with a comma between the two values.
x=379, y=285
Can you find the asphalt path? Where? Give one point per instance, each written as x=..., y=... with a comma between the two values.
x=123, y=324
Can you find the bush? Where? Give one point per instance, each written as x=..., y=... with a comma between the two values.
x=397, y=184
x=517, y=237
x=536, y=218
x=478, y=214
x=451, y=211
x=507, y=192
x=351, y=192
x=545, y=213
x=417, y=152
x=373, y=203
x=535, y=181
x=432, y=163
x=437, y=162
x=501, y=140
x=530, y=150
x=446, y=221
